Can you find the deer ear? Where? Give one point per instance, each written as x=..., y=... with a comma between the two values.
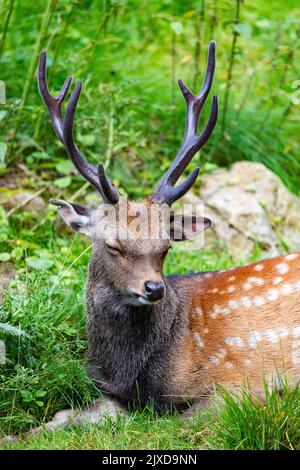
x=74, y=215
x=186, y=227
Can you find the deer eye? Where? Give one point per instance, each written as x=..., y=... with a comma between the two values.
x=113, y=249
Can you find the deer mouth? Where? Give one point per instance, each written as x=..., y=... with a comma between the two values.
x=141, y=299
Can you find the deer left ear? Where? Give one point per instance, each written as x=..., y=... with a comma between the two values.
x=75, y=216
x=186, y=227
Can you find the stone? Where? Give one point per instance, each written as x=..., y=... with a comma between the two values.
x=249, y=205
x=34, y=204
x=7, y=273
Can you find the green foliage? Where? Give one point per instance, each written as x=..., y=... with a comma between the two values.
x=43, y=325
x=43, y=328
x=244, y=422
x=44, y=332
x=131, y=116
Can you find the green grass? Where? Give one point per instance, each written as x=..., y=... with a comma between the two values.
x=131, y=116
x=141, y=431
x=129, y=54
x=46, y=373
x=243, y=422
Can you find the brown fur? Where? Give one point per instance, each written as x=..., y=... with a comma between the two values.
x=273, y=319
x=220, y=327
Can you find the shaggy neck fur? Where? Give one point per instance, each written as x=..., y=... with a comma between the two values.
x=130, y=346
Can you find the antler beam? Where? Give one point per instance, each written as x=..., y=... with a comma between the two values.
x=64, y=130
x=166, y=190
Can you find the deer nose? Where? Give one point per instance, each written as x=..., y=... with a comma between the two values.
x=154, y=290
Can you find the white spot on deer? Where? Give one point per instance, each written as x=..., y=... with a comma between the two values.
x=253, y=281
x=233, y=304
x=246, y=302
x=216, y=309
x=296, y=331
x=259, y=301
x=214, y=360
x=277, y=280
x=258, y=267
x=292, y=256
x=271, y=335
x=254, y=338
x=198, y=311
x=235, y=341
x=231, y=278
x=286, y=289
x=282, y=268
x=283, y=331
x=205, y=331
x=248, y=362
x=225, y=310
x=222, y=353
x=247, y=286
x=228, y=365
x=231, y=289
x=198, y=340
x=258, y=281
x=215, y=290
x=272, y=294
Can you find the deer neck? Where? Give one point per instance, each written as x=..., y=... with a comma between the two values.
x=128, y=343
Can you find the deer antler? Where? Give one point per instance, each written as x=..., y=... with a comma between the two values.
x=166, y=192
x=64, y=130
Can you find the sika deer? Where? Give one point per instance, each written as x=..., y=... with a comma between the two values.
x=170, y=339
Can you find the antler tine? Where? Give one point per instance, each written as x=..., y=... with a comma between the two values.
x=108, y=186
x=86, y=169
x=191, y=142
x=53, y=103
x=64, y=130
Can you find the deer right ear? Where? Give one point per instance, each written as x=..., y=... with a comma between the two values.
x=74, y=215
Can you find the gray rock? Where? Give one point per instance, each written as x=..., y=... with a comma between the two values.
x=7, y=273
x=249, y=204
x=29, y=202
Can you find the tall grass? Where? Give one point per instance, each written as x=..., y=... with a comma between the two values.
x=131, y=116
x=231, y=63
x=45, y=21
x=133, y=51
x=8, y=9
x=43, y=326
x=244, y=422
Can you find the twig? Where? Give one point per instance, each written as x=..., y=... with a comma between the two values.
x=24, y=203
x=6, y=24
x=110, y=134
x=230, y=67
x=214, y=19
x=200, y=33
x=79, y=191
x=50, y=7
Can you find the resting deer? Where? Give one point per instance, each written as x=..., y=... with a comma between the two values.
x=170, y=339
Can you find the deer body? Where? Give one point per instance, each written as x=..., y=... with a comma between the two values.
x=220, y=327
x=171, y=339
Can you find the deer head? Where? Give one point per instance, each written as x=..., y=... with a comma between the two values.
x=131, y=239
